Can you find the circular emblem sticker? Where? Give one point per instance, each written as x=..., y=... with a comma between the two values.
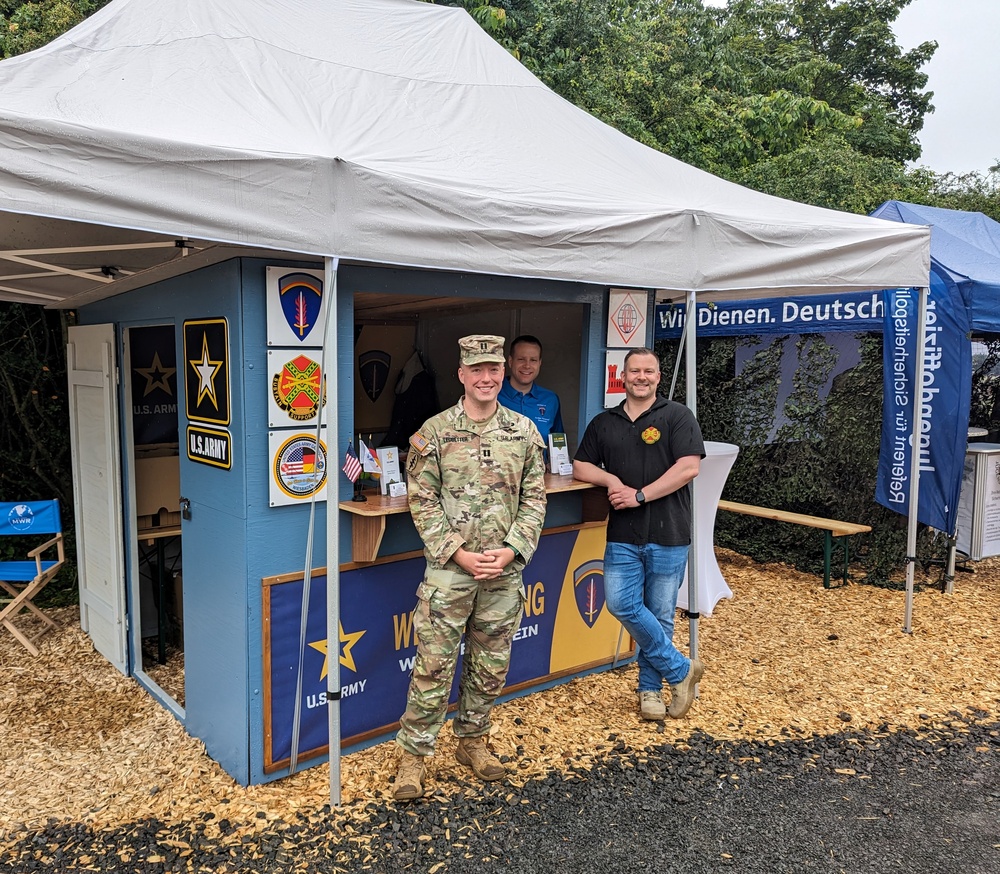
x=299, y=467
x=650, y=435
x=20, y=517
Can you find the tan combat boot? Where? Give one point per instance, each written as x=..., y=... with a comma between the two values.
x=409, y=777
x=651, y=705
x=472, y=751
x=683, y=692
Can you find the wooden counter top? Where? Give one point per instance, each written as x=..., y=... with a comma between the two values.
x=383, y=505
x=368, y=526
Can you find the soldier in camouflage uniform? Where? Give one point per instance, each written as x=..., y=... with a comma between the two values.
x=477, y=497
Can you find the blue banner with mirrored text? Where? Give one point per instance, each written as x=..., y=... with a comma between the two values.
x=941, y=430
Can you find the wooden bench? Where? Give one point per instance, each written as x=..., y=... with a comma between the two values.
x=831, y=528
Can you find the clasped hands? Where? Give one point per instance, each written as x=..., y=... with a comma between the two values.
x=486, y=565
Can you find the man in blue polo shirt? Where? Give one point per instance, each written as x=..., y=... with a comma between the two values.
x=521, y=394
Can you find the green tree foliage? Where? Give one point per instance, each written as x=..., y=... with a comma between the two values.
x=974, y=192
x=808, y=99
x=822, y=460
x=32, y=399
x=869, y=75
x=836, y=176
x=34, y=425
x=28, y=26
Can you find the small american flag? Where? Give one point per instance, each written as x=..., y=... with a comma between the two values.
x=352, y=466
x=300, y=460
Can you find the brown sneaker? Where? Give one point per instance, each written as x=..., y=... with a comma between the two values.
x=651, y=705
x=472, y=751
x=683, y=692
x=409, y=777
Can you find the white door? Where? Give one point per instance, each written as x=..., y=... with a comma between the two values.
x=93, y=416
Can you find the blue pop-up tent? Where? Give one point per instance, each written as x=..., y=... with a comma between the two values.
x=965, y=254
x=963, y=296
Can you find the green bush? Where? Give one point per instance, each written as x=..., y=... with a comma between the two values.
x=34, y=427
x=822, y=461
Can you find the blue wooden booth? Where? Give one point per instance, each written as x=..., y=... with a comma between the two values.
x=205, y=454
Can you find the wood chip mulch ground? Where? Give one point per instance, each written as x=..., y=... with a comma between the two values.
x=785, y=658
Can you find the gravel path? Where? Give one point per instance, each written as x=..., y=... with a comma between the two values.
x=920, y=800
x=824, y=739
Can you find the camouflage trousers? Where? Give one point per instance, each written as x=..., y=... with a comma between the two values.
x=488, y=612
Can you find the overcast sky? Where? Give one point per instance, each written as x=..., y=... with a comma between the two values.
x=963, y=132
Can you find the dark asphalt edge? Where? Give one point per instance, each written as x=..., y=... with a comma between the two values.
x=546, y=825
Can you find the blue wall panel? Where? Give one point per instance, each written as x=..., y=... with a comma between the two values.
x=276, y=536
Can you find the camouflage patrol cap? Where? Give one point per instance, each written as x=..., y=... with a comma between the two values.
x=480, y=348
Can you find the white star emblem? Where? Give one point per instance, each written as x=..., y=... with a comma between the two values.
x=206, y=369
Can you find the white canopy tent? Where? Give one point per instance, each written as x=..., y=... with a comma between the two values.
x=377, y=131
x=383, y=131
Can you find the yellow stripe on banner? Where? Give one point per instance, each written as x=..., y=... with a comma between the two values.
x=575, y=642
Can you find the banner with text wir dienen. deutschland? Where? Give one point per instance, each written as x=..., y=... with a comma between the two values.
x=941, y=430
x=822, y=313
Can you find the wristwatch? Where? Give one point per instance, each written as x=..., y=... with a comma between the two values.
x=640, y=498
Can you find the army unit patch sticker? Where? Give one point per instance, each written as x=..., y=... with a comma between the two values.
x=300, y=295
x=651, y=435
x=296, y=388
x=588, y=588
x=298, y=467
x=295, y=307
x=626, y=318
x=373, y=369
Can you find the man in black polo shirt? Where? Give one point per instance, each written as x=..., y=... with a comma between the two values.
x=644, y=452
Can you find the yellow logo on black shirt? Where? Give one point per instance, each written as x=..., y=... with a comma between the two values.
x=650, y=435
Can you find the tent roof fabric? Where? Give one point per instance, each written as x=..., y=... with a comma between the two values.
x=965, y=250
x=382, y=131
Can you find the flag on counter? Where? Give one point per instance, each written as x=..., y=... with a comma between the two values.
x=369, y=461
x=352, y=467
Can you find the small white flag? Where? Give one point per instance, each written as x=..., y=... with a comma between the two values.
x=369, y=461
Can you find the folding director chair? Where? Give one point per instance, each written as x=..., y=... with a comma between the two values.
x=24, y=580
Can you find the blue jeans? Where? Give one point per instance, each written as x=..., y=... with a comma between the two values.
x=641, y=585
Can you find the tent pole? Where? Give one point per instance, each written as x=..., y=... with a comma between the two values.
x=690, y=368
x=677, y=366
x=949, y=569
x=911, y=521
x=331, y=377
x=293, y=757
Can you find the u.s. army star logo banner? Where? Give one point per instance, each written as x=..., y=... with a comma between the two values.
x=206, y=370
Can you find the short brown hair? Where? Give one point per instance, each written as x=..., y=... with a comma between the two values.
x=641, y=350
x=530, y=339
